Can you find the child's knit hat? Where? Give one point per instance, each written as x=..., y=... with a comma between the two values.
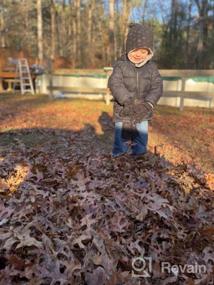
x=139, y=36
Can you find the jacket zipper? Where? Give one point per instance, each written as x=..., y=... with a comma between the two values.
x=137, y=93
x=137, y=86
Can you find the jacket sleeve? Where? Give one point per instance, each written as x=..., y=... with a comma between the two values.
x=156, y=90
x=116, y=84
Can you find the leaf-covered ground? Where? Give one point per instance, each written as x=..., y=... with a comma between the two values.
x=70, y=214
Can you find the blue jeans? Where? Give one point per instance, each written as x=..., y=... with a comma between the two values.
x=139, y=143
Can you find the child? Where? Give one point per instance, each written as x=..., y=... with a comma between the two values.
x=136, y=86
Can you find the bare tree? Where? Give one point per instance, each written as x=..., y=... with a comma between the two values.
x=189, y=18
x=126, y=9
x=78, y=28
x=91, y=7
x=111, y=46
x=92, y=33
x=39, y=31
x=203, y=9
x=2, y=25
x=53, y=30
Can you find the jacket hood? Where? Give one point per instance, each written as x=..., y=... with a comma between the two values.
x=139, y=36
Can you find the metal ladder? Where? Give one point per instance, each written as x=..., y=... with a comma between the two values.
x=24, y=77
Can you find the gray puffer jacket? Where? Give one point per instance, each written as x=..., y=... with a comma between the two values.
x=128, y=81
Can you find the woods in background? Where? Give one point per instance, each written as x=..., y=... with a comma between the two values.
x=91, y=33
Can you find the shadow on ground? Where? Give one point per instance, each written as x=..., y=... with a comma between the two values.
x=70, y=214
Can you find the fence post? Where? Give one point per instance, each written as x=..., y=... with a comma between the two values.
x=183, y=82
x=108, y=71
x=1, y=85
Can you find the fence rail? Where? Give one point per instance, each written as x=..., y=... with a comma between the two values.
x=183, y=94
x=93, y=84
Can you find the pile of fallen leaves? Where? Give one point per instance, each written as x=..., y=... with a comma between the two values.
x=81, y=217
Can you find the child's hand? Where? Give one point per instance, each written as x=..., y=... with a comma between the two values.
x=128, y=102
x=137, y=110
x=142, y=110
x=127, y=110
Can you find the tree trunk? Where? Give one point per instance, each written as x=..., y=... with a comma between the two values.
x=145, y=2
x=124, y=22
x=111, y=46
x=89, y=32
x=2, y=28
x=188, y=34
x=89, y=26
x=53, y=30
x=39, y=31
x=203, y=9
x=78, y=30
x=63, y=29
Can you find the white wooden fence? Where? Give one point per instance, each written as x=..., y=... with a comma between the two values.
x=181, y=87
